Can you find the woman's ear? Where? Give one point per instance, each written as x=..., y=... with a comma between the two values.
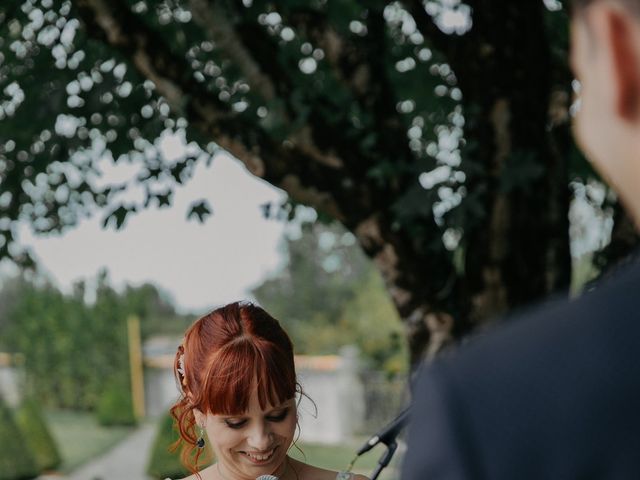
x=199, y=416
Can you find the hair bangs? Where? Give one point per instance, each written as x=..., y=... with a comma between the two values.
x=242, y=366
x=274, y=374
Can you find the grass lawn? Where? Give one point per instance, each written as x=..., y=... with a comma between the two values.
x=80, y=437
x=337, y=457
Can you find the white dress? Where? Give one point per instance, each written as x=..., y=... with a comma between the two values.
x=339, y=476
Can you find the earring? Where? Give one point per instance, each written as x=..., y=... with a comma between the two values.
x=200, y=441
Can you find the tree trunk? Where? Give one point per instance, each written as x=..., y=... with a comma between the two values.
x=517, y=250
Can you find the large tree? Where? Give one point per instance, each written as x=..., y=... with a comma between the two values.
x=436, y=131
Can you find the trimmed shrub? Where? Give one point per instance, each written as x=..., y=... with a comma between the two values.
x=164, y=463
x=16, y=459
x=115, y=406
x=37, y=436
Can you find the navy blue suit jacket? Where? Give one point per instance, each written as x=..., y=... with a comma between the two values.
x=554, y=394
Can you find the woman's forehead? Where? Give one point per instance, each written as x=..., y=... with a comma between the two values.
x=255, y=407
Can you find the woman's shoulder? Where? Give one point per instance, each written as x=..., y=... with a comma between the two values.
x=350, y=476
x=190, y=477
x=204, y=474
x=311, y=472
x=357, y=476
x=322, y=474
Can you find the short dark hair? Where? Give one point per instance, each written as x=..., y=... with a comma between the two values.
x=632, y=5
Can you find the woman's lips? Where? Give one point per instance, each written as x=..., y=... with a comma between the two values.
x=260, y=457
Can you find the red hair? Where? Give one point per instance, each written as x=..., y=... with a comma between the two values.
x=225, y=355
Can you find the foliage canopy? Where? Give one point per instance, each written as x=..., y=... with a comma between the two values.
x=436, y=132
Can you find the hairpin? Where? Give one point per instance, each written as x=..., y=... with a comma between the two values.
x=181, y=370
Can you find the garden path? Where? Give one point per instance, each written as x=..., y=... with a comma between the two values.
x=127, y=460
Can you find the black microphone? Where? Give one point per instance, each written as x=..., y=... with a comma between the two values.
x=387, y=434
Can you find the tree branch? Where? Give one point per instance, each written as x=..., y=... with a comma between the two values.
x=116, y=25
x=214, y=21
x=358, y=64
x=279, y=163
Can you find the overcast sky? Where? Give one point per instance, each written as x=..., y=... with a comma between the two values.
x=204, y=265
x=200, y=265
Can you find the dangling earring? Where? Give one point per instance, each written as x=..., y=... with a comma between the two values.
x=200, y=441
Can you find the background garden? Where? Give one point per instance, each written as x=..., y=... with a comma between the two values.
x=72, y=352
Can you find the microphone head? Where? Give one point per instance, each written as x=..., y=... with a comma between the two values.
x=267, y=477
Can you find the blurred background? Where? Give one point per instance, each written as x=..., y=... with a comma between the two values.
x=387, y=178
x=88, y=338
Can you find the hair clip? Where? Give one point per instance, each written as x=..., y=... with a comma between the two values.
x=181, y=370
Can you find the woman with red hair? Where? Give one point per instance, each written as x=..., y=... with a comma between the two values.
x=237, y=376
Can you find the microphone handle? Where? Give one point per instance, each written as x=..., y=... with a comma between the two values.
x=388, y=433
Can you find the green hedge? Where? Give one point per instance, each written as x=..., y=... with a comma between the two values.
x=115, y=406
x=16, y=460
x=163, y=463
x=37, y=436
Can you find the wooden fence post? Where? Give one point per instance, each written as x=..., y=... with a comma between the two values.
x=135, y=363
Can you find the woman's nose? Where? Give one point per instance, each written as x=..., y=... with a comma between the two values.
x=260, y=437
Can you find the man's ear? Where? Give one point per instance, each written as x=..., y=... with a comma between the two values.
x=624, y=44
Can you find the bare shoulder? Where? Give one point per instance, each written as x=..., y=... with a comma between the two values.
x=359, y=477
x=352, y=476
x=311, y=472
x=204, y=475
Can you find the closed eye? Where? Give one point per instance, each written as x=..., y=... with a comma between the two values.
x=279, y=416
x=231, y=423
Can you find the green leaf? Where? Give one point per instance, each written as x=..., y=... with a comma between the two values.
x=200, y=210
x=118, y=216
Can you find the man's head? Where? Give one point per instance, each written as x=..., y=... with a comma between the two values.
x=605, y=57
x=631, y=5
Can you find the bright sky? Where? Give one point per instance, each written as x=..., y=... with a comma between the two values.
x=200, y=265
x=204, y=265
